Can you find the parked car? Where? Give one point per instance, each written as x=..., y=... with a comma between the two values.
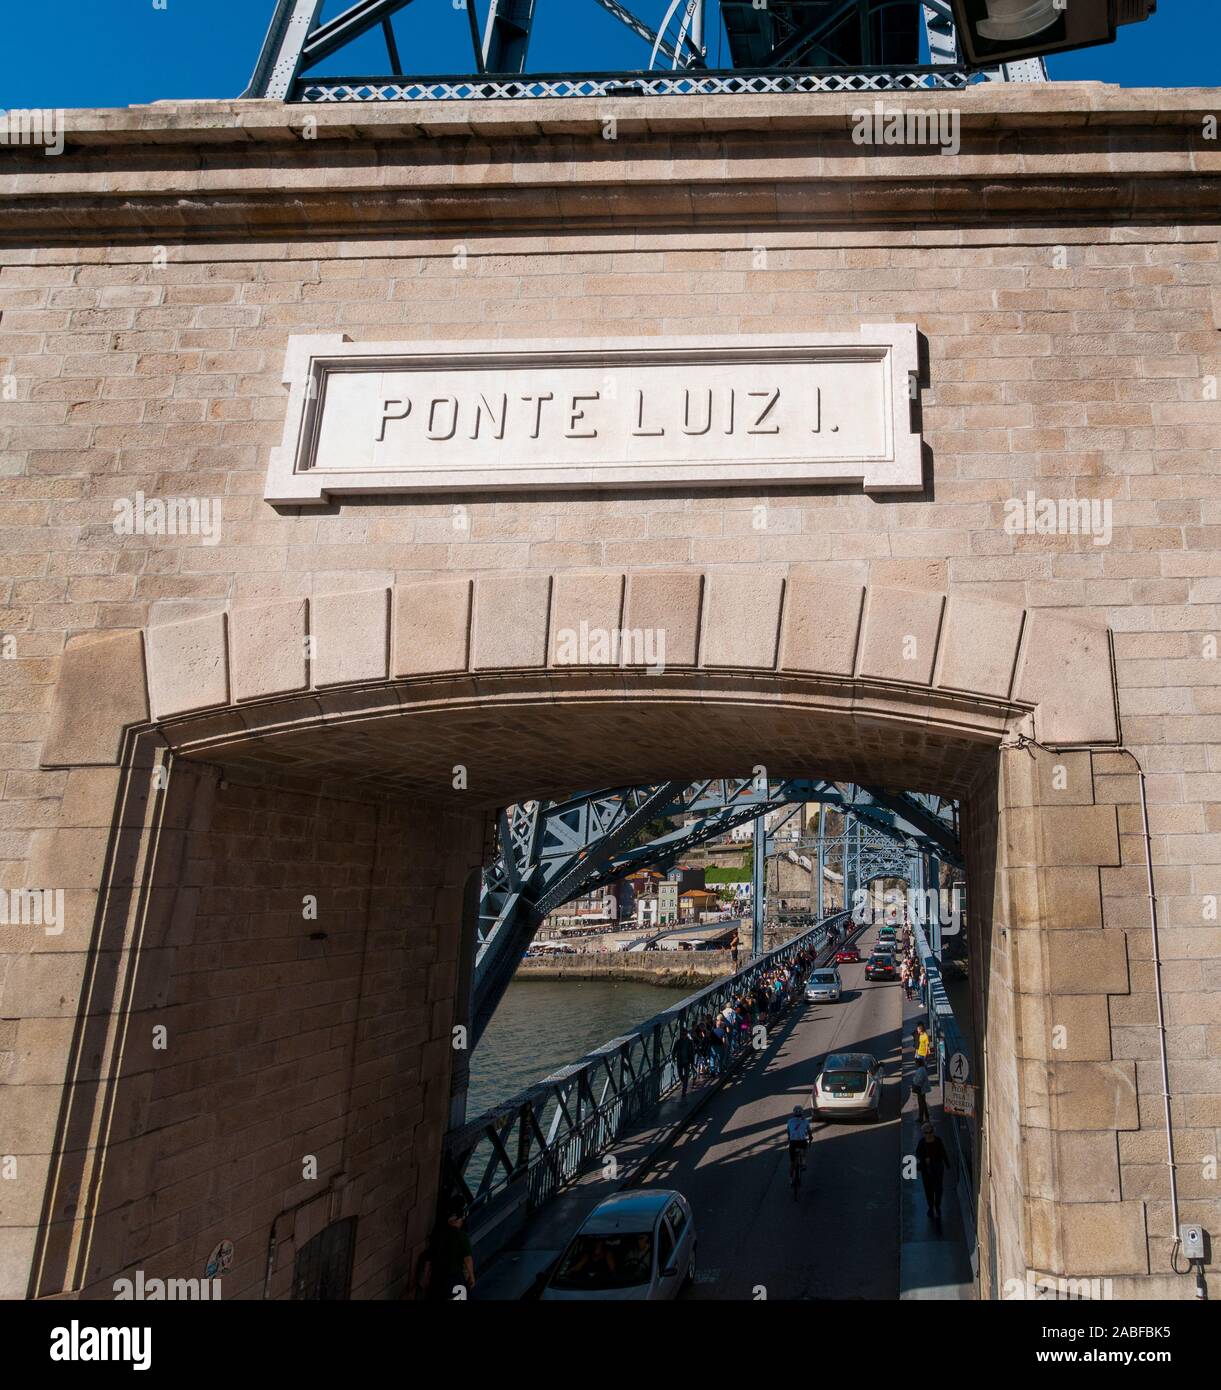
x=634, y=1245
x=848, y=1086
x=881, y=967
x=848, y=955
x=823, y=986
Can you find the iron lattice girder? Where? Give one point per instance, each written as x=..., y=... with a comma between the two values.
x=811, y=23
x=297, y=39
x=506, y=37
x=765, y=41
x=650, y=36
x=330, y=37
x=556, y=851
x=879, y=857
x=916, y=819
x=522, y=87
x=552, y=852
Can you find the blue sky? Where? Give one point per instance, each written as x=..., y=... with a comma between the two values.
x=75, y=53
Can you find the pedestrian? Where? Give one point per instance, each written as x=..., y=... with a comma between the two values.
x=684, y=1055
x=931, y=1162
x=923, y=1041
x=920, y=1085
x=448, y=1264
x=718, y=1045
x=700, y=1038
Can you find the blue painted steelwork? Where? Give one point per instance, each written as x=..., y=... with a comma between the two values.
x=552, y=852
x=857, y=45
x=882, y=858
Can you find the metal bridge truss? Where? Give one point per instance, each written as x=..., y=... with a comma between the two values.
x=543, y=1137
x=860, y=853
x=852, y=40
x=552, y=852
x=880, y=857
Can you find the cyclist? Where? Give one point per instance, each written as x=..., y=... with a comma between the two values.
x=799, y=1140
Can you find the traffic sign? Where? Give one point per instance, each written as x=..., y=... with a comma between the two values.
x=959, y=1098
x=960, y=1068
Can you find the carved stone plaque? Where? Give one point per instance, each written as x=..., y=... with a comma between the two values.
x=668, y=412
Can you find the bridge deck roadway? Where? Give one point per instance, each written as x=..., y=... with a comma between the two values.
x=858, y=1230
x=840, y=1238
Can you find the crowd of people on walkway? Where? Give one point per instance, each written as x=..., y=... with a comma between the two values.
x=911, y=970
x=704, y=1048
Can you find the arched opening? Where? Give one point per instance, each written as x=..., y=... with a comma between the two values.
x=251, y=1058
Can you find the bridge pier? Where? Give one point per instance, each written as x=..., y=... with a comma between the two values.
x=1061, y=947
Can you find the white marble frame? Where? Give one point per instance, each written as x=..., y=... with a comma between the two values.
x=293, y=478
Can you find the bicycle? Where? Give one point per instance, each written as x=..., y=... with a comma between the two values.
x=797, y=1164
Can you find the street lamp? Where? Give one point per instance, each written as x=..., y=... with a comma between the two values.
x=1018, y=19
x=1003, y=31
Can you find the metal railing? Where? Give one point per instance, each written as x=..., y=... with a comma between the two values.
x=738, y=82
x=533, y=1145
x=947, y=1039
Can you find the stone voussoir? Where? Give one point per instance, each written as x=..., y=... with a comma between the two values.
x=742, y=620
x=188, y=665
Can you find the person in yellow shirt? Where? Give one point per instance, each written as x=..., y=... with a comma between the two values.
x=923, y=1042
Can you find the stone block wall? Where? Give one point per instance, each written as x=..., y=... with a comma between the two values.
x=1064, y=273
x=269, y=1053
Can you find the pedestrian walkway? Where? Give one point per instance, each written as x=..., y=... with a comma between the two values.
x=933, y=1262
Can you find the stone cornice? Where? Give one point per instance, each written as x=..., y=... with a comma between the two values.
x=1061, y=153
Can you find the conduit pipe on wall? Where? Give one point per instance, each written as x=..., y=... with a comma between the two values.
x=1161, y=1016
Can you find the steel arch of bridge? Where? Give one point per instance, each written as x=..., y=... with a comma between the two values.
x=766, y=56
x=880, y=857
x=550, y=852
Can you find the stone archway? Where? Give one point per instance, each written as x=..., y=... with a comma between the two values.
x=356, y=741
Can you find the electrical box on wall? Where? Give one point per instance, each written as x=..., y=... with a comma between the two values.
x=1193, y=1239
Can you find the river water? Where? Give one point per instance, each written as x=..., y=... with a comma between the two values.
x=542, y=1025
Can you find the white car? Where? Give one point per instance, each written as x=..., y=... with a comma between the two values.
x=849, y=1086
x=635, y=1245
x=824, y=986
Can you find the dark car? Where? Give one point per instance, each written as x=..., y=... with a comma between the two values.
x=881, y=968
x=847, y=955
